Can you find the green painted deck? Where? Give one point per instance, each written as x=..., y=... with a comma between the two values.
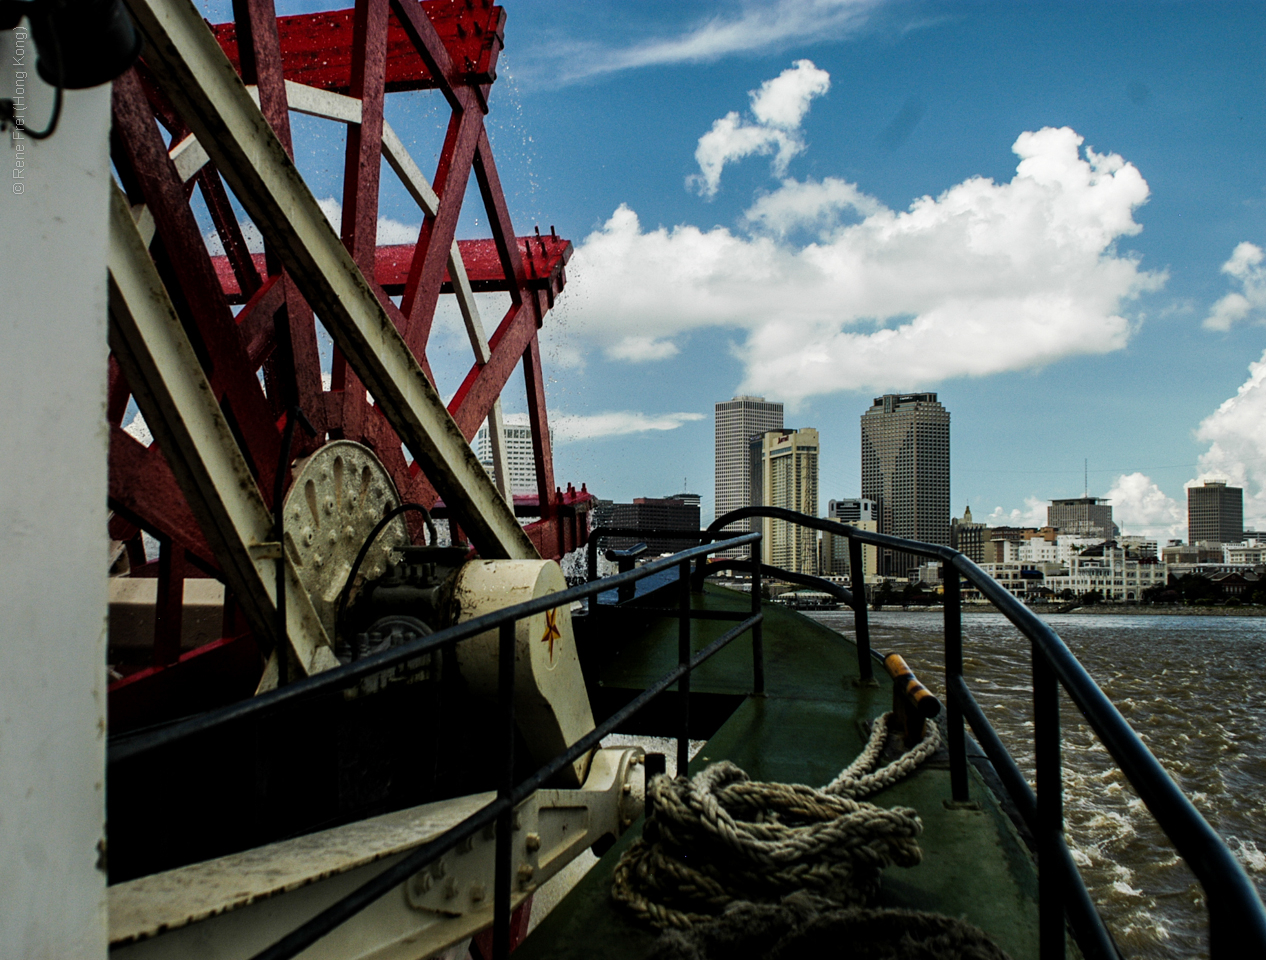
x=805, y=730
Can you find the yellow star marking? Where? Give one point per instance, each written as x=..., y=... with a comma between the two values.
x=552, y=632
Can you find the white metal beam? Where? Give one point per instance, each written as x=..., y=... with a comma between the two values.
x=181, y=411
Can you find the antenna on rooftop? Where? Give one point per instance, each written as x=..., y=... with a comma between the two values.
x=1085, y=476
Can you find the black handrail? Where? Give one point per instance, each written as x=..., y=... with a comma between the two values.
x=1236, y=915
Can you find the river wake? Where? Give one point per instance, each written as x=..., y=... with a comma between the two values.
x=1183, y=683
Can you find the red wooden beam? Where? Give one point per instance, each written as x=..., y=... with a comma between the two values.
x=543, y=257
x=316, y=48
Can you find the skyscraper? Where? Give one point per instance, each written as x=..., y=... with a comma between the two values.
x=789, y=479
x=905, y=470
x=519, y=455
x=1215, y=513
x=737, y=421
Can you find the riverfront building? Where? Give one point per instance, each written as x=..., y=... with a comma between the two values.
x=1215, y=513
x=905, y=470
x=737, y=422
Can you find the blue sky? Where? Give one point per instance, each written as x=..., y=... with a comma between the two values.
x=822, y=201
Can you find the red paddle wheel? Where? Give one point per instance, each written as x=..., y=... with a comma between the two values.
x=256, y=336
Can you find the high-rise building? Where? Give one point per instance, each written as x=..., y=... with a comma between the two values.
x=1082, y=517
x=789, y=479
x=1215, y=513
x=860, y=513
x=519, y=455
x=737, y=421
x=905, y=470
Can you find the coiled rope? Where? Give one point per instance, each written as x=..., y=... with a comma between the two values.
x=722, y=838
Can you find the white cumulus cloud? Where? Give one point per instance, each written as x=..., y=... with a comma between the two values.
x=1244, y=268
x=779, y=107
x=1033, y=515
x=638, y=349
x=984, y=278
x=572, y=426
x=1236, y=434
x=814, y=205
x=1141, y=508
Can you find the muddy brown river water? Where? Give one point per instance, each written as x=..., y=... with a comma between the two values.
x=1190, y=687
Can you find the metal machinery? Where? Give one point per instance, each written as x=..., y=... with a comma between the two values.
x=307, y=499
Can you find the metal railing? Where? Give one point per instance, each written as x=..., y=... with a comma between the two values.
x=509, y=793
x=1237, y=918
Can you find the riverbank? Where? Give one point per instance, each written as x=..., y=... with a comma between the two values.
x=1102, y=610
x=1145, y=610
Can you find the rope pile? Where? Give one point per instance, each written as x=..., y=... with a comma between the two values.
x=722, y=838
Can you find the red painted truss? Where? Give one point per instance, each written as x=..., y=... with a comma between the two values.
x=376, y=48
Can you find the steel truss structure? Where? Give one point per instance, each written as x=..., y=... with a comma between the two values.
x=221, y=353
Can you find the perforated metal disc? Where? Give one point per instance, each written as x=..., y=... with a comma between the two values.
x=338, y=494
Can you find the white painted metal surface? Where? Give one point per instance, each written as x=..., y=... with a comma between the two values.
x=233, y=907
x=551, y=706
x=53, y=545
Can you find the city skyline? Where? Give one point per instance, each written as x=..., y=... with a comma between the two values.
x=1049, y=214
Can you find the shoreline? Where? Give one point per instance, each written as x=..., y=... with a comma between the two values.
x=1098, y=609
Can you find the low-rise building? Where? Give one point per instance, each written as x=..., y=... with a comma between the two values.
x=1109, y=570
x=1022, y=580
x=1244, y=553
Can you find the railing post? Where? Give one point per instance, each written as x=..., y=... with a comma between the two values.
x=954, y=669
x=758, y=636
x=861, y=623
x=1050, y=807
x=505, y=821
x=683, y=659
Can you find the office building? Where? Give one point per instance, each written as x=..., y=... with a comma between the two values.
x=1082, y=517
x=789, y=479
x=905, y=471
x=519, y=455
x=690, y=499
x=737, y=422
x=654, y=513
x=1215, y=513
x=860, y=513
